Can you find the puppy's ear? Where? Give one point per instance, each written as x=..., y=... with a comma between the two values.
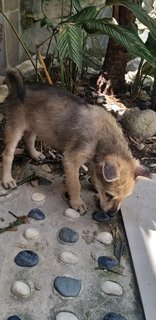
x=110, y=171
x=142, y=171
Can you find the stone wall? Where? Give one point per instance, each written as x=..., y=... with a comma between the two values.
x=24, y=15
x=9, y=44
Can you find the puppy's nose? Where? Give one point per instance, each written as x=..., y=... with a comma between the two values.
x=112, y=212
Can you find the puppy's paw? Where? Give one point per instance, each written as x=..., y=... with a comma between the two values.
x=38, y=156
x=79, y=205
x=9, y=183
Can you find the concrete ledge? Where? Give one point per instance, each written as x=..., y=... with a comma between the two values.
x=139, y=215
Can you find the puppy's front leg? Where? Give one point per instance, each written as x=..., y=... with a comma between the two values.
x=12, y=138
x=72, y=163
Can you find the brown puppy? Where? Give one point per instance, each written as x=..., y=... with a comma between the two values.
x=84, y=133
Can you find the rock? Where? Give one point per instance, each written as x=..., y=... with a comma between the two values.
x=14, y=318
x=43, y=181
x=27, y=69
x=32, y=234
x=133, y=64
x=34, y=183
x=113, y=316
x=26, y=258
x=71, y=213
x=104, y=237
x=67, y=287
x=68, y=257
x=100, y=100
x=139, y=123
x=38, y=196
x=36, y=214
x=130, y=77
x=3, y=93
x=152, y=165
x=64, y=315
x=144, y=96
x=46, y=168
x=21, y=289
x=68, y=235
x=112, y=288
x=101, y=216
x=107, y=263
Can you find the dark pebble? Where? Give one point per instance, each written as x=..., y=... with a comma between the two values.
x=68, y=235
x=101, y=216
x=43, y=181
x=27, y=258
x=67, y=287
x=107, y=263
x=36, y=214
x=113, y=316
x=14, y=318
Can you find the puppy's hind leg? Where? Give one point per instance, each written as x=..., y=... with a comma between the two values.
x=12, y=137
x=29, y=139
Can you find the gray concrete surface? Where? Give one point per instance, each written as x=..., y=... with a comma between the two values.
x=139, y=215
x=44, y=303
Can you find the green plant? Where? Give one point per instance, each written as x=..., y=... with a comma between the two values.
x=71, y=34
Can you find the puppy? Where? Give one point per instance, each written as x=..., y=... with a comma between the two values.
x=84, y=133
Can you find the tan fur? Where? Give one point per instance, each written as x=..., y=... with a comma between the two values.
x=84, y=133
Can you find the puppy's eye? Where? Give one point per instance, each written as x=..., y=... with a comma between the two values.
x=109, y=196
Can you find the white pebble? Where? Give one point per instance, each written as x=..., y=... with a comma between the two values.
x=68, y=257
x=38, y=196
x=71, y=213
x=21, y=289
x=110, y=287
x=104, y=237
x=66, y=316
x=32, y=234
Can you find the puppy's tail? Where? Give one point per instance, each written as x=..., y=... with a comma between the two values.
x=15, y=83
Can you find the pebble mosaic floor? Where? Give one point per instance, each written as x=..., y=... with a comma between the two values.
x=60, y=265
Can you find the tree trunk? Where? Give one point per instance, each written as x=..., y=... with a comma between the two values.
x=112, y=77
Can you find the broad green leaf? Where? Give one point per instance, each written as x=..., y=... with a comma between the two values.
x=126, y=36
x=86, y=14
x=151, y=45
x=147, y=69
x=69, y=44
x=139, y=12
x=77, y=5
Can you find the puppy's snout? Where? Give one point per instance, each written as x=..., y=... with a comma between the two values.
x=113, y=210
x=112, y=213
